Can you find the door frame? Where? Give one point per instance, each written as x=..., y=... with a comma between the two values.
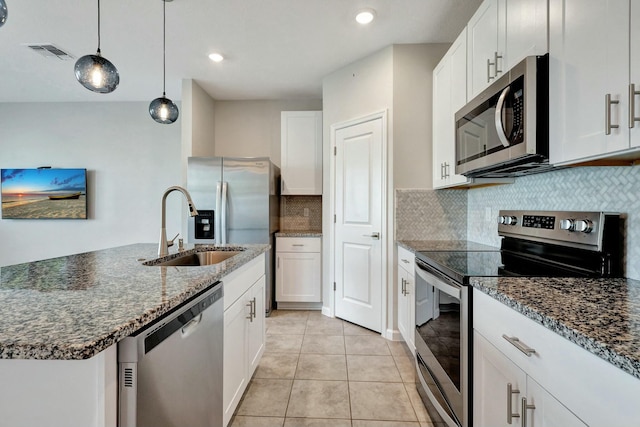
x=387, y=212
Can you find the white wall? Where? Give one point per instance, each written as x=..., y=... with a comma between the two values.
x=130, y=160
x=198, y=114
x=252, y=128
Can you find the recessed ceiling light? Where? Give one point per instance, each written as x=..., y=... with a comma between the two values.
x=216, y=57
x=365, y=16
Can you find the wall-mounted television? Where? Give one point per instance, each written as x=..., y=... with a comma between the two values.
x=44, y=193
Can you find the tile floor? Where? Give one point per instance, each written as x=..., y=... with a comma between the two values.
x=317, y=371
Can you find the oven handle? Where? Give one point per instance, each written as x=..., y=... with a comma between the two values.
x=438, y=284
x=500, y=117
x=446, y=413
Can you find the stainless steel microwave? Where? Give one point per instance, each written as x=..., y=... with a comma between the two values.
x=504, y=131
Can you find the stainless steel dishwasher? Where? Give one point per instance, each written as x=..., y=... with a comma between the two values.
x=170, y=373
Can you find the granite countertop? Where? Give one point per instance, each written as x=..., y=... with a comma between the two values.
x=600, y=315
x=299, y=233
x=444, y=245
x=73, y=307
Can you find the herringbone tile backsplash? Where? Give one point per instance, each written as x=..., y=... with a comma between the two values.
x=292, y=212
x=611, y=189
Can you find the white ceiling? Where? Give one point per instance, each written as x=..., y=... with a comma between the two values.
x=275, y=49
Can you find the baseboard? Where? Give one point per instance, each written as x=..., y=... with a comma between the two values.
x=326, y=311
x=299, y=305
x=393, y=335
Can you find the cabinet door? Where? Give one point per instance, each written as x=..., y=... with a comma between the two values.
x=235, y=376
x=403, y=308
x=482, y=48
x=493, y=372
x=588, y=59
x=298, y=277
x=526, y=30
x=256, y=334
x=545, y=410
x=410, y=297
x=635, y=70
x=449, y=95
x=301, y=152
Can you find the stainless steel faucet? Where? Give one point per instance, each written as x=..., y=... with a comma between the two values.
x=163, y=248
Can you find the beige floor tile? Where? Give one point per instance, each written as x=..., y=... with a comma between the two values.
x=317, y=314
x=283, y=344
x=322, y=367
x=323, y=344
x=315, y=422
x=351, y=329
x=380, y=401
x=371, y=423
x=286, y=326
x=244, y=421
x=265, y=397
x=372, y=368
x=416, y=402
x=319, y=399
x=399, y=348
x=366, y=345
x=407, y=368
x=324, y=327
x=274, y=365
x=289, y=314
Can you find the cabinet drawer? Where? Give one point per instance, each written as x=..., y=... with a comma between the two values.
x=576, y=377
x=406, y=259
x=298, y=244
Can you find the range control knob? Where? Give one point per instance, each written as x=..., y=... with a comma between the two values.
x=507, y=220
x=584, y=225
x=568, y=224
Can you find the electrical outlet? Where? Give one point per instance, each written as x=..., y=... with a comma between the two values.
x=306, y=212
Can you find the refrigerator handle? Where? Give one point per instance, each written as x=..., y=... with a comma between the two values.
x=217, y=215
x=223, y=219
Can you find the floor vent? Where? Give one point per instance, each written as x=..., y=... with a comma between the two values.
x=50, y=51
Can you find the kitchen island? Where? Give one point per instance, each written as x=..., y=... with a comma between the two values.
x=62, y=317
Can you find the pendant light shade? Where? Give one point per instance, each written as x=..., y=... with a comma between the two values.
x=163, y=110
x=95, y=72
x=3, y=12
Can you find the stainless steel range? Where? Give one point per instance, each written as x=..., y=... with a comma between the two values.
x=534, y=244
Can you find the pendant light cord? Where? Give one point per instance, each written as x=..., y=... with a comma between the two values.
x=98, y=27
x=164, y=47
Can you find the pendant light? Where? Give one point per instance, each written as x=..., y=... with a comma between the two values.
x=96, y=73
x=3, y=12
x=163, y=110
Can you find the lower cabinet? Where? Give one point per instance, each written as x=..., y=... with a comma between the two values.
x=244, y=338
x=298, y=271
x=504, y=395
x=527, y=375
x=406, y=297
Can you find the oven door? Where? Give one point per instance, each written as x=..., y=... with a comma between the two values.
x=443, y=347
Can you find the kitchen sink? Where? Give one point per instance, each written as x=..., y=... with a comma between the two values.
x=195, y=259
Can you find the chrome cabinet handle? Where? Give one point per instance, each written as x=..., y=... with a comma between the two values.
x=607, y=114
x=406, y=292
x=446, y=170
x=632, y=105
x=489, y=76
x=496, y=57
x=405, y=261
x=252, y=309
x=441, y=170
x=299, y=244
x=403, y=286
x=515, y=341
x=510, y=414
x=375, y=235
x=524, y=409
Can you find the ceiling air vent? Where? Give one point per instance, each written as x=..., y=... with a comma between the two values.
x=50, y=51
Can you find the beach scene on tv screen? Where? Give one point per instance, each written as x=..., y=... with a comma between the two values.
x=44, y=193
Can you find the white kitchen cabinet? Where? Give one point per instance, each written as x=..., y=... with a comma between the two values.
x=589, y=61
x=502, y=390
x=301, y=152
x=298, y=271
x=499, y=35
x=244, y=332
x=406, y=297
x=568, y=385
x=449, y=95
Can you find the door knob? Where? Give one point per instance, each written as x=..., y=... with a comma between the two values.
x=375, y=235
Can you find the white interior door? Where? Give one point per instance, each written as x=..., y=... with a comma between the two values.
x=358, y=223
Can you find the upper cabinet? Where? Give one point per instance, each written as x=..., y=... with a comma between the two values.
x=499, y=35
x=449, y=95
x=301, y=152
x=594, y=67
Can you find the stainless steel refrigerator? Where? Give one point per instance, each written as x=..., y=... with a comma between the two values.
x=238, y=202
